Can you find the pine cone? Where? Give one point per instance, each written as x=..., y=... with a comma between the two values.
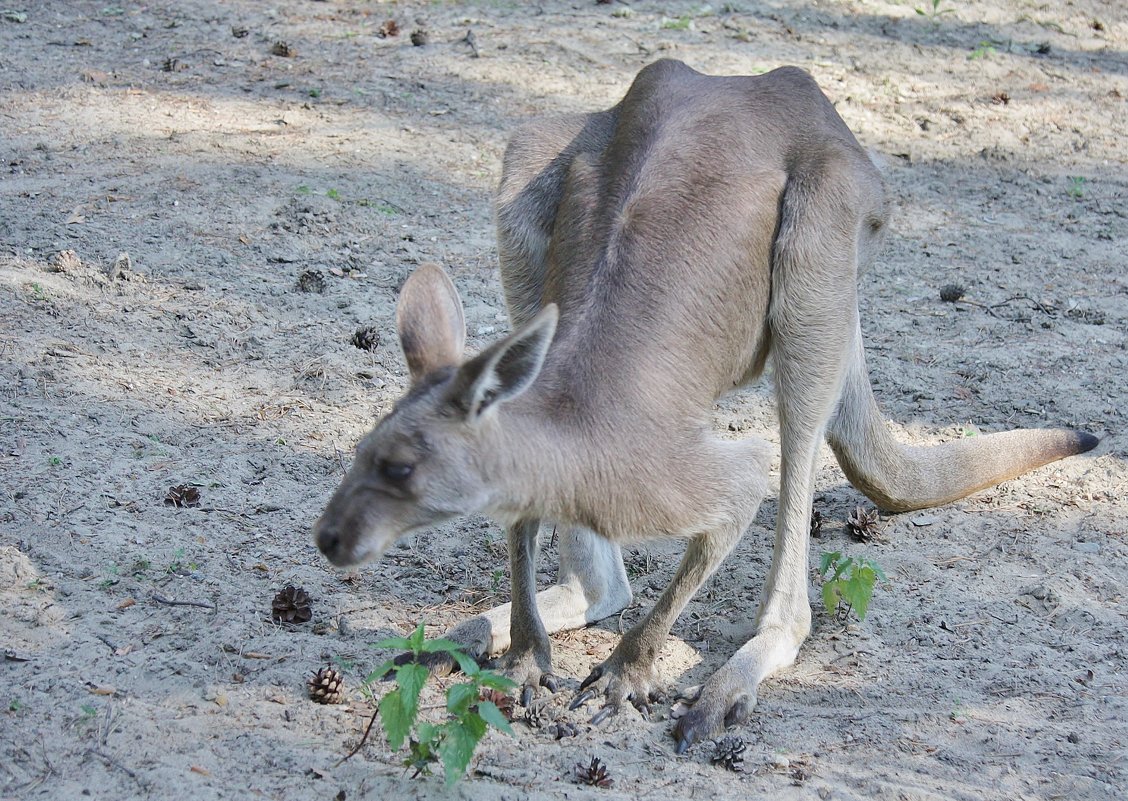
x=863, y=524
x=536, y=715
x=419, y=37
x=729, y=753
x=950, y=293
x=595, y=774
x=311, y=281
x=502, y=701
x=367, y=338
x=292, y=605
x=182, y=495
x=326, y=686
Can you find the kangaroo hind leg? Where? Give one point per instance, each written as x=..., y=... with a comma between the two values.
x=812, y=318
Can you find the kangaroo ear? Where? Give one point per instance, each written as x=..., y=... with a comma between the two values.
x=432, y=329
x=505, y=369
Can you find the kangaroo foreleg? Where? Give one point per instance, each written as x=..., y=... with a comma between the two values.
x=529, y=659
x=629, y=674
x=591, y=585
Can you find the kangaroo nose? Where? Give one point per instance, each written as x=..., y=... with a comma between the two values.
x=328, y=540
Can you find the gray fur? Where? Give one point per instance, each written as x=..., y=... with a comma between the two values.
x=675, y=242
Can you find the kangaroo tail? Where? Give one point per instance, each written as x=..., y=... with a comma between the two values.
x=901, y=478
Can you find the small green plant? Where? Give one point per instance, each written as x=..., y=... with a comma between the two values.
x=333, y=194
x=179, y=566
x=1077, y=186
x=302, y=189
x=89, y=712
x=933, y=10
x=55, y=461
x=314, y=92
x=982, y=50
x=682, y=23
x=848, y=584
x=496, y=579
x=15, y=705
x=453, y=742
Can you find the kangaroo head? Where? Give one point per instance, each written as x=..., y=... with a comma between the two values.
x=433, y=456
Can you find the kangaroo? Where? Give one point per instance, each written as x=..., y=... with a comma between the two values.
x=654, y=256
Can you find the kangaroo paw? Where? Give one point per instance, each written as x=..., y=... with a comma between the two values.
x=703, y=712
x=531, y=669
x=618, y=682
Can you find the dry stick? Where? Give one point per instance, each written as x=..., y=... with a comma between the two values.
x=100, y=753
x=173, y=602
x=1038, y=305
x=363, y=740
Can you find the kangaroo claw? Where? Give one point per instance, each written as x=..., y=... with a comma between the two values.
x=582, y=698
x=609, y=711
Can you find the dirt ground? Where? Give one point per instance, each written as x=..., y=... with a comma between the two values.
x=172, y=169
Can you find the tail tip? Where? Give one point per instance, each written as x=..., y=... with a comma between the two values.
x=1084, y=441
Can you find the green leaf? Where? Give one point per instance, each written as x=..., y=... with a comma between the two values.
x=459, y=698
x=858, y=590
x=457, y=748
x=394, y=719
x=494, y=716
x=831, y=596
x=380, y=672
x=430, y=733
x=415, y=641
x=411, y=678
x=399, y=643
x=495, y=681
x=440, y=644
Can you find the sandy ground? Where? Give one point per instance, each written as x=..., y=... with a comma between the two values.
x=993, y=666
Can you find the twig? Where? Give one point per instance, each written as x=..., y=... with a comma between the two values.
x=363, y=740
x=98, y=752
x=173, y=602
x=1038, y=305
x=472, y=40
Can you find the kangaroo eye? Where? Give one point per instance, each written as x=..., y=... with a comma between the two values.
x=396, y=472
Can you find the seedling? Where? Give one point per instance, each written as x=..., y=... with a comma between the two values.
x=1077, y=186
x=682, y=23
x=15, y=705
x=933, y=11
x=453, y=742
x=982, y=50
x=848, y=584
x=333, y=194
